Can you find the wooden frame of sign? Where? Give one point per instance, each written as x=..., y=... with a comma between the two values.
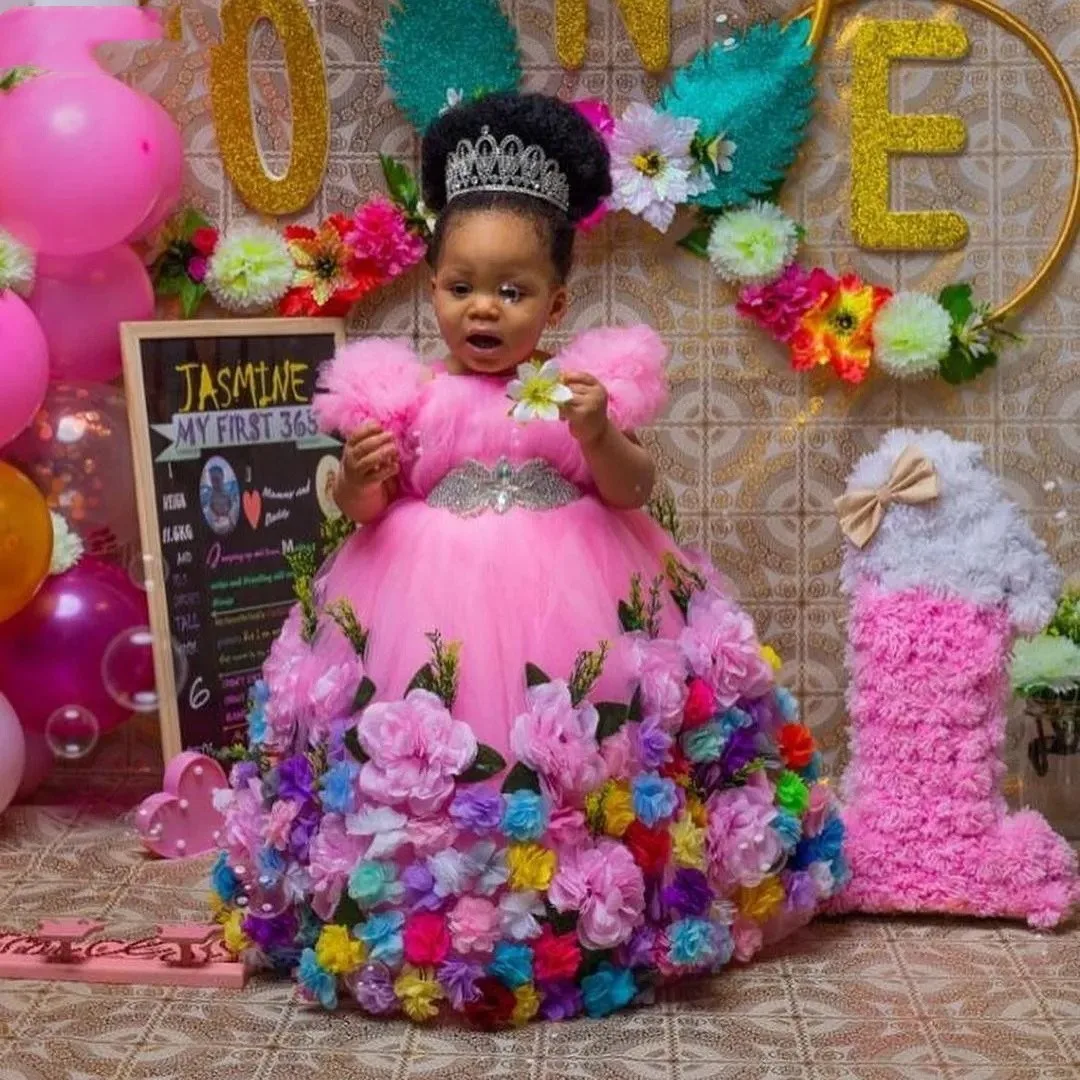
x=230, y=473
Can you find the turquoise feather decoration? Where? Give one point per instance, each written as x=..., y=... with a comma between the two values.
x=430, y=51
x=757, y=94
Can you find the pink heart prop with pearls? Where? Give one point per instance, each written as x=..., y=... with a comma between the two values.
x=180, y=820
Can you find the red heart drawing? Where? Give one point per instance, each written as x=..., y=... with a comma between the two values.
x=180, y=820
x=252, y=507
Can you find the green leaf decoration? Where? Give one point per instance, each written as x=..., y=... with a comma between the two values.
x=956, y=300
x=424, y=679
x=636, y=711
x=696, y=241
x=562, y=922
x=534, y=676
x=352, y=744
x=191, y=296
x=400, y=182
x=364, y=693
x=521, y=778
x=430, y=49
x=628, y=619
x=591, y=959
x=489, y=762
x=758, y=94
x=613, y=715
x=14, y=76
x=959, y=366
x=348, y=912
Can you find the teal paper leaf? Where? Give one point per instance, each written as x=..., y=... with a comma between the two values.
x=758, y=94
x=430, y=48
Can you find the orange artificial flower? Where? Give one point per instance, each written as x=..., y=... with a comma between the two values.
x=329, y=278
x=836, y=330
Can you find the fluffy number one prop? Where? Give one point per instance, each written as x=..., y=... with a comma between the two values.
x=941, y=570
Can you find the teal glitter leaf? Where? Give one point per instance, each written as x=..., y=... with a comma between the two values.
x=429, y=49
x=758, y=94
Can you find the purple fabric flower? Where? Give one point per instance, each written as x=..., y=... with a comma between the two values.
x=458, y=979
x=295, y=779
x=654, y=743
x=373, y=988
x=196, y=269
x=654, y=901
x=740, y=750
x=304, y=827
x=801, y=891
x=561, y=1000
x=689, y=892
x=269, y=934
x=638, y=951
x=477, y=811
x=420, y=888
x=242, y=773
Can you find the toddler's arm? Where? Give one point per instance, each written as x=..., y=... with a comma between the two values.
x=366, y=482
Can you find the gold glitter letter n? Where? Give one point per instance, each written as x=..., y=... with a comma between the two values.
x=648, y=22
x=876, y=133
x=230, y=99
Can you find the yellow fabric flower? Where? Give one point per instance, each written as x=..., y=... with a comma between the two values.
x=530, y=865
x=618, y=809
x=219, y=910
x=594, y=807
x=696, y=809
x=771, y=657
x=528, y=1004
x=337, y=952
x=418, y=992
x=688, y=844
x=762, y=900
x=236, y=941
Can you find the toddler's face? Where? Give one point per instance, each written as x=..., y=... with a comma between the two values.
x=494, y=291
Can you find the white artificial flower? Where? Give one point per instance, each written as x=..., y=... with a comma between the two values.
x=912, y=334
x=518, y=913
x=975, y=334
x=16, y=265
x=487, y=866
x=537, y=392
x=67, y=545
x=752, y=245
x=452, y=871
x=386, y=827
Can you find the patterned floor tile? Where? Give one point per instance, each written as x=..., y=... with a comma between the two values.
x=63, y=1059
x=183, y=1061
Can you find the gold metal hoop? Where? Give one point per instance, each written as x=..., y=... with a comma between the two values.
x=819, y=13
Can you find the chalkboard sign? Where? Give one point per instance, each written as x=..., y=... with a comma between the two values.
x=232, y=475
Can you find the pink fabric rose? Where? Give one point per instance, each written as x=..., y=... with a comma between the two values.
x=474, y=925
x=282, y=815
x=700, y=704
x=606, y=886
x=620, y=755
x=245, y=825
x=416, y=749
x=779, y=306
x=743, y=846
x=821, y=801
x=720, y=645
x=380, y=236
x=331, y=858
x=427, y=940
x=566, y=829
x=559, y=741
x=746, y=934
x=661, y=672
x=332, y=694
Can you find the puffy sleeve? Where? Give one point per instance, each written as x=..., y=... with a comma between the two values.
x=630, y=362
x=374, y=379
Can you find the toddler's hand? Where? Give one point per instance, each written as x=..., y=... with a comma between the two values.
x=370, y=456
x=586, y=411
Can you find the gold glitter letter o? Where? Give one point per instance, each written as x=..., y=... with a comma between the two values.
x=230, y=100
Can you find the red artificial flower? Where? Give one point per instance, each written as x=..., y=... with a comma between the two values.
x=677, y=767
x=204, y=240
x=492, y=1009
x=700, y=704
x=555, y=956
x=427, y=939
x=651, y=848
x=796, y=745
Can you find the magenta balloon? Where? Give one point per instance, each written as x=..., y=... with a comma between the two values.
x=39, y=764
x=81, y=301
x=171, y=181
x=80, y=162
x=51, y=651
x=24, y=366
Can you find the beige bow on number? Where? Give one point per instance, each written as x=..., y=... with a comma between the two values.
x=913, y=480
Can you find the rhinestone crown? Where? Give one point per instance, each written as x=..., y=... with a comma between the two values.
x=510, y=165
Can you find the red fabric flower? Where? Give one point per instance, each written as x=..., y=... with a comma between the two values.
x=555, y=956
x=796, y=745
x=651, y=848
x=677, y=766
x=427, y=939
x=204, y=240
x=494, y=1006
x=700, y=704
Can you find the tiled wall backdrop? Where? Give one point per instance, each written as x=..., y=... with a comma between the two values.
x=752, y=452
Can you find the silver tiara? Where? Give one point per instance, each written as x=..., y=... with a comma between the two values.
x=510, y=165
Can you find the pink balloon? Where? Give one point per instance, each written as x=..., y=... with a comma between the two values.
x=39, y=765
x=171, y=181
x=80, y=162
x=24, y=365
x=80, y=302
x=14, y=755
x=51, y=651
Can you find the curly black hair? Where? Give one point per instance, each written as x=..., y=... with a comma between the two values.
x=558, y=128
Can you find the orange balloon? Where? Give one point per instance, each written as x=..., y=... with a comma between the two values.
x=26, y=540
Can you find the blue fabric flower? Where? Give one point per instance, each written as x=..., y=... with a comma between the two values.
x=222, y=879
x=338, y=788
x=655, y=798
x=788, y=828
x=271, y=862
x=525, y=816
x=372, y=882
x=607, y=990
x=316, y=980
x=821, y=848
x=723, y=946
x=512, y=963
x=814, y=770
x=704, y=743
x=787, y=703
x=258, y=696
x=734, y=719
x=691, y=942
x=382, y=935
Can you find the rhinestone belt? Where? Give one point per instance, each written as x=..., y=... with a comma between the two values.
x=473, y=488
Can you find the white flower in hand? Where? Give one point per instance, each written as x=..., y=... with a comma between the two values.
x=67, y=545
x=538, y=392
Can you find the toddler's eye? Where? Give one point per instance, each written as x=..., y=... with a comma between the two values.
x=510, y=293
x=460, y=288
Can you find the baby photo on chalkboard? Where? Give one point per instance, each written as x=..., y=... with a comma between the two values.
x=219, y=496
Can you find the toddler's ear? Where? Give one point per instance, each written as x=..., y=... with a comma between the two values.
x=559, y=303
